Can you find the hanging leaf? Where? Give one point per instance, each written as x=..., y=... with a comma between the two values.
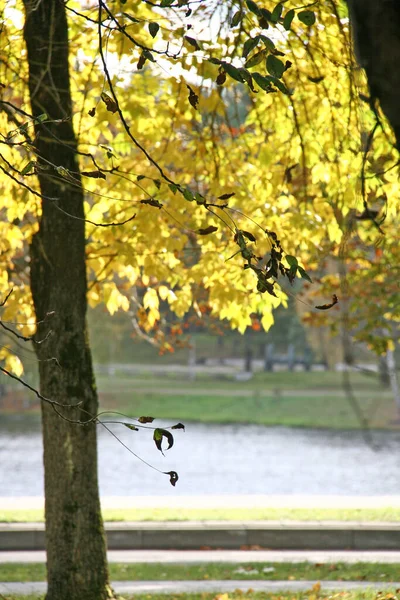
x=221, y=78
x=141, y=61
x=226, y=196
x=276, y=13
x=288, y=18
x=255, y=59
x=28, y=167
x=248, y=235
x=327, y=306
x=173, y=187
x=92, y=112
x=188, y=195
x=178, y=426
x=111, y=105
x=130, y=426
x=192, y=42
x=233, y=72
x=173, y=477
x=249, y=45
x=149, y=55
x=166, y=3
x=146, y=419
x=269, y=44
x=237, y=17
x=292, y=260
x=94, y=174
x=275, y=66
x=158, y=436
x=304, y=274
x=263, y=82
x=252, y=6
x=307, y=17
x=193, y=97
x=207, y=230
x=152, y=202
x=41, y=118
x=153, y=29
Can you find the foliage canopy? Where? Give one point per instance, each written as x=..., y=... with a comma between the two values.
x=226, y=147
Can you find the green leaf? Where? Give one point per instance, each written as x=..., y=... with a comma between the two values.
x=147, y=54
x=263, y=82
x=237, y=17
x=292, y=260
x=304, y=274
x=276, y=13
x=280, y=85
x=132, y=427
x=153, y=29
x=166, y=3
x=255, y=59
x=28, y=167
x=307, y=17
x=275, y=66
x=173, y=187
x=233, y=72
x=188, y=195
x=158, y=436
x=269, y=44
x=41, y=118
x=192, y=42
x=288, y=18
x=249, y=45
x=252, y=6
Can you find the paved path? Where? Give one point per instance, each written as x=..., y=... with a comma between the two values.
x=176, y=587
x=226, y=556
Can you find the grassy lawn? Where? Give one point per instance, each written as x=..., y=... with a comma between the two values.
x=385, y=514
x=291, y=399
x=297, y=399
x=384, y=573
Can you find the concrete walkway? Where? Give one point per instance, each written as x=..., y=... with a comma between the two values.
x=221, y=556
x=226, y=535
x=176, y=587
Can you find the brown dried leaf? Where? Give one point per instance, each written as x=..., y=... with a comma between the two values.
x=111, y=105
x=327, y=306
x=146, y=419
x=207, y=230
x=193, y=97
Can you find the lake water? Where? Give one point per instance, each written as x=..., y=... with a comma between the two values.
x=218, y=460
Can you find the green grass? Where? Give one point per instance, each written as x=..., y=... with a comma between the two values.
x=384, y=573
x=384, y=514
x=296, y=399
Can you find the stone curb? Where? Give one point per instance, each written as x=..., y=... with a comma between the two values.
x=176, y=587
x=190, y=535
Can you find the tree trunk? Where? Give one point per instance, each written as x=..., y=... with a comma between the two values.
x=376, y=32
x=76, y=550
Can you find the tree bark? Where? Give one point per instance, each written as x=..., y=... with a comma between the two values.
x=76, y=550
x=376, y=32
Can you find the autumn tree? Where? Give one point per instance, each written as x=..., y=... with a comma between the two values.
x=168, y=146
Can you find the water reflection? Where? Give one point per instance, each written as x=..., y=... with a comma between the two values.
x=217, y=459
